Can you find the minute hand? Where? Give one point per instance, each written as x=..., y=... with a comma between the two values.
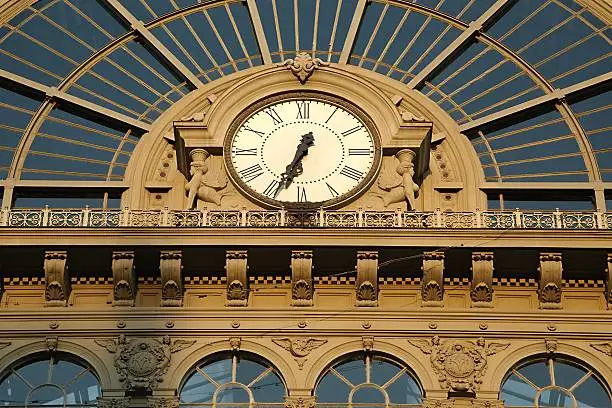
x=295, y=167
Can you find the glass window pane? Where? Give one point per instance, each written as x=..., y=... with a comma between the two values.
x=35, y=373
x=555, y=397
x=354, y=371
x=517, y=393
x=592, y=394
x=382, y=371
x=46, y=395
x=368, y=395
x=13, y=390
x=404, y=390
x=332, y=389
x=233, y=394
x=197, y=389
x=269, y=389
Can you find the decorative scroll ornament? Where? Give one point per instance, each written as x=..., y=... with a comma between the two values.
x=300, y=402
x=124, y=278
x=113, y=402
x=367, y=278
x=303, y=65
x=432, y=286
x=141, y=363
x=605, y=348
x=168, y=402
x=481, y=288
x=236, y=270
x=299, y=348
x=171, y=269
x=459, y=364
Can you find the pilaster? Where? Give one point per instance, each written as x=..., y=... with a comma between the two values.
x=549, y=280
x=432, y=285
x=57, y=281
x=236, y=266
x=367, y=278
x=124, y=278
x=301, y=278
x=481, y=288
x=171, y=269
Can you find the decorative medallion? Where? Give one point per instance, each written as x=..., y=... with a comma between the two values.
x=142, y=362
x=459, y=364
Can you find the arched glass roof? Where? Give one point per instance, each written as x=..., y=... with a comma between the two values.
x=528, y=82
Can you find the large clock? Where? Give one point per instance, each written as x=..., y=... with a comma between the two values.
x=302, y=150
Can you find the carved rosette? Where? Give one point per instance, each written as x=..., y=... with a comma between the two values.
x=299, y=348
x=113, y=402
x=57, y=280
x=549, y=280
x=164, y=402
x=301, y=278
x=236, y=269
x=432, y=285
x=303, y=66
x=459, y=364
x=367, y=278
x=300, y=402
x=142, y=362
x=481, y=288
x=172, y=279
x=124, y=278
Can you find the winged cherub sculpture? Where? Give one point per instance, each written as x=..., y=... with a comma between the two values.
x=399, y=182
x=206, y=180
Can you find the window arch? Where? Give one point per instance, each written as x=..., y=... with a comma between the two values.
x=233, y=380
x=57, y=380
x=375, y=380
x=554, y=382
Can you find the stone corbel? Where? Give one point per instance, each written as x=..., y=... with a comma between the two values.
x=367, y=278
x=609, y=282
x=549, y=280
x=171, y=277
x=301, y=278
x=481, y=288
x=124, y=278
x=57, y=281
x=432, y=285
x=236, y=269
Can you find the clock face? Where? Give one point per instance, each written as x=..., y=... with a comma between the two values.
x=302, y=150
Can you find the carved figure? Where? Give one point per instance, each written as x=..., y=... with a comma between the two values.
x=459, y=364
x=205, y=180
x=399, y=182
x=299, y=348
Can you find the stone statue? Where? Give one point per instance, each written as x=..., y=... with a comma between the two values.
x=399, y=183
x=205, y=181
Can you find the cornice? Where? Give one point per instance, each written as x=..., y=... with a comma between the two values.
x=304, y=237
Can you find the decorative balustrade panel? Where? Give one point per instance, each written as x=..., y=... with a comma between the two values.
x=501, y=220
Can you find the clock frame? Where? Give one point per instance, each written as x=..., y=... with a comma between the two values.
x=335, y=202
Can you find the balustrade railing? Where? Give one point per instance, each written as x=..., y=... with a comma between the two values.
x=99, y=218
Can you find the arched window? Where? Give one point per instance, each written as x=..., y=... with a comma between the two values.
x=234, y=380
x=554, y=382
x=368, y=380
x=56, y=380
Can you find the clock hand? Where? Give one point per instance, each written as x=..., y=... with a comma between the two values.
x=295, y=168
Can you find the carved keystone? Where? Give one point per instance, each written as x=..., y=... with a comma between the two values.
x=301, y=278
x=172, y=278
x=549, y=280
x=481, y=289
x=124, y=278
x=367, y=278
x=432, y=286
x=609, y=281
x=57, y=281
x=303, y=66
x=236, y=269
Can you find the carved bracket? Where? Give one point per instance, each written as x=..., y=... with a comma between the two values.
x=57, y=280
x=459, y=364
x=301, y=278
x=172, y=278
x=236, y=269
x=432, y=286
x=367, y=278
x=549, y=280
x=299, y=348
x=124, y=278
x=609, y=282
x=303, y=66
x=481, y=288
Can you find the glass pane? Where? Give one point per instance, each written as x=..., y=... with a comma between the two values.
x=220, y=371
x=332, y=389
x=555, y=397
x=269, y=389
x=537, y=373
x=47, y=395
x=35, y=373
x=592, y=394
x=12, y=390
x=354, y=371
x=197, y=389
x=567, y=375
x=517, y=393
x=247, y=371
x=233, y=394
x=84, y=390
x=368, y=395
x=64, y=372
x=382, y=371
x=404, y=390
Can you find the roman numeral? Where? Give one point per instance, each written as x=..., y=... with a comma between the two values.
x=303, y=109
x=274, y=115
x=333, y=192
x=257, y=132
x=301, y=194
x=251, y=173
x=359, y=152
x=351, y=131
x=332, y=114
x=270, y=191
x=351, y=173
x=246, y=152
